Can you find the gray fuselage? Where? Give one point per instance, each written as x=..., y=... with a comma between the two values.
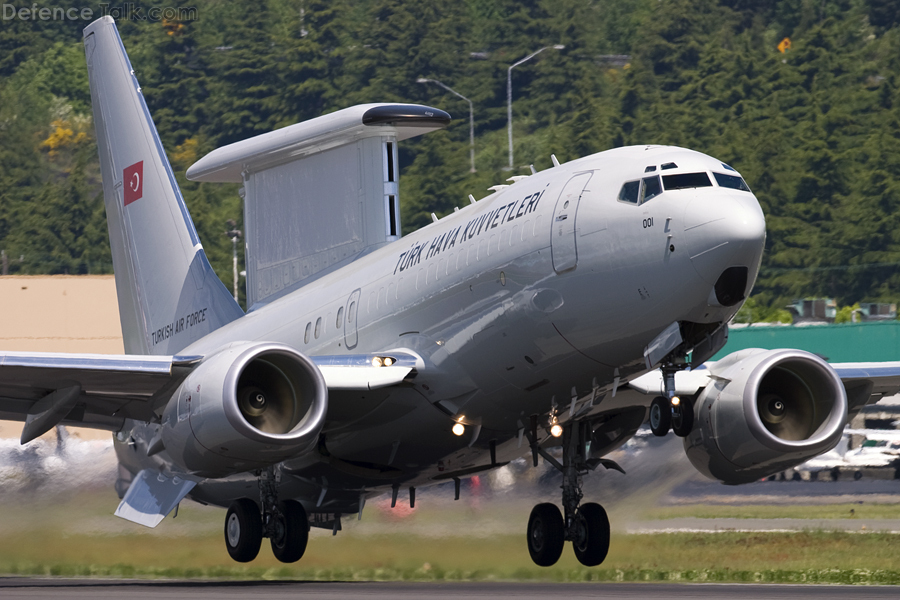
x=542, y=294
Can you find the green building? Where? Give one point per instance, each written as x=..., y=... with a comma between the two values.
x=847, y=342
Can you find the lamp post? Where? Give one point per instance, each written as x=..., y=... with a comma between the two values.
x=509, y=94
x=471, y=118
x=235, y=235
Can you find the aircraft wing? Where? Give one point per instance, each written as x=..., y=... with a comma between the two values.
x=884, y=376
x=89, y=390
x=866, y=383
x=101, y=390
x=362, y=372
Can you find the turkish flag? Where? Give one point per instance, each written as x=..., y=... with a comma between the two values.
x=133, y=179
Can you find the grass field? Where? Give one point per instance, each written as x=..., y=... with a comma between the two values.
x=77, y=535
x=856, y=510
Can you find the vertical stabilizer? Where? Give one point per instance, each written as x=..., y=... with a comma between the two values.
x=168, y=294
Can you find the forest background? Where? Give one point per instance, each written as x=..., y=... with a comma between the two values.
x=813, y=127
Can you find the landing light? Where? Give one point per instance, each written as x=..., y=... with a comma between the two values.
x=377, y=362
x=382, y=361
x=676, y=400
x=458, y=429
x=556, y=430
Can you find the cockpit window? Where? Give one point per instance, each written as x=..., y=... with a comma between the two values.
x=686, y=180
x=651, y=188
x=650, y=169
x=629, y=192
x=669, y=166
x=734, y=182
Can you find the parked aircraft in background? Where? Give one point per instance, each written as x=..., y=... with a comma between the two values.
x=368, y=363
x=878, y=449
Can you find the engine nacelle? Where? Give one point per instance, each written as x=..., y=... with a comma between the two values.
x=765, y=411
x=248, y=406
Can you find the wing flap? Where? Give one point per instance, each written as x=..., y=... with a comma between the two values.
x=151, y=497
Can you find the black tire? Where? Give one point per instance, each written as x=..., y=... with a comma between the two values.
x=243, y=530
x=591, y=544
x=683, y=419
x=546, y=534
x=292, y=532
x=660, y=416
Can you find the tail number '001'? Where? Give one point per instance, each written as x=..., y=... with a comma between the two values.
x=648, y=222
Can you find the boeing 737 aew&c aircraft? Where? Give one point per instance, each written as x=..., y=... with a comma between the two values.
x=562, y=311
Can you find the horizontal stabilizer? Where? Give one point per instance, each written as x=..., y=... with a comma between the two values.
x=151, y=497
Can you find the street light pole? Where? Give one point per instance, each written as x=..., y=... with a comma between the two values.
x=509, y=94
x=471, y=118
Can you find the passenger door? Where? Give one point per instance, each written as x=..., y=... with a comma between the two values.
x=562, y=236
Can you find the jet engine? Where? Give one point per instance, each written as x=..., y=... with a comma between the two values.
x=765, y=411
x=248, y=406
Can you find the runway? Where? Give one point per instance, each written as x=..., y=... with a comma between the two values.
x=15, y=587
x=717, y=525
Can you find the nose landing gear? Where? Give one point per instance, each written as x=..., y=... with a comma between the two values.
x=587, y=525
x=670, y=411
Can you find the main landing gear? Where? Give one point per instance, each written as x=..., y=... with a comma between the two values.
x=285, y=523
x=585, y=525
x=670, y=411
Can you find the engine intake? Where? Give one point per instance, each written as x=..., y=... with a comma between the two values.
x=248, y=406
x=765, y=411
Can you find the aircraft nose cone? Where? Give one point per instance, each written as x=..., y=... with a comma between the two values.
x=723, y=232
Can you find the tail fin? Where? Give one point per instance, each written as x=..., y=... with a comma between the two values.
x=168, y=294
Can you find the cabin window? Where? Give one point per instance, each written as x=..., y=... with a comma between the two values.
x=734, y=182
x=651, y=188
x=318, y=327
x=629, y=192
x=684, y=181
x=306, y=335
x=339, y=321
